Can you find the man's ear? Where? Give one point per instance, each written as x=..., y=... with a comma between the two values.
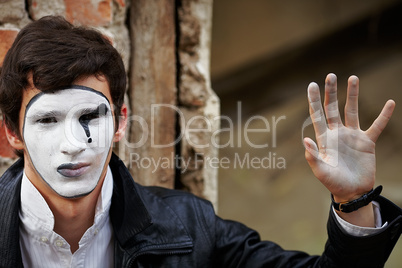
x=14, y=139
x=121, y=131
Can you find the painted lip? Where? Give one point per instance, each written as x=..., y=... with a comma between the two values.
x=72, y=170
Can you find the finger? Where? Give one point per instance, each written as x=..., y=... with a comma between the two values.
x=315, y=108
x=311, y=153
x=352, y=106
x=381, y=121
x=331, y=102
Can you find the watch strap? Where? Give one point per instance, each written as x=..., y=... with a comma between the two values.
x=354, y=205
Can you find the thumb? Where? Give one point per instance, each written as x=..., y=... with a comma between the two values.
x=311, y=152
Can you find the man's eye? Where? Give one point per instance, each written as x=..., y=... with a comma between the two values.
x=47, y=120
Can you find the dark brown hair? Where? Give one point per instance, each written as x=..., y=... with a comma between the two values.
x=57, y=53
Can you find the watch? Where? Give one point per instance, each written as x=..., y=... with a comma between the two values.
x=354, y=205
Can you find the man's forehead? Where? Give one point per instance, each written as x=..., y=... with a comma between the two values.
x=68, y=96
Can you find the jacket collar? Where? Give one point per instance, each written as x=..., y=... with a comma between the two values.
x=10, y=185
x=128, y=213
x=140, y=218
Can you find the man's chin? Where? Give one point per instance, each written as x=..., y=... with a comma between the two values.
x=75, y=195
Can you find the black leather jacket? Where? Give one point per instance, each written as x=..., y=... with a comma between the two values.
x=156, y=227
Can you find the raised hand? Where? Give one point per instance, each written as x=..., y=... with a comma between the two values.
x=343, y=158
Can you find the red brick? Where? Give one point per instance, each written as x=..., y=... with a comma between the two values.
x=86, y=13
x=5, y=148
x=122, y=3
x=7, y=37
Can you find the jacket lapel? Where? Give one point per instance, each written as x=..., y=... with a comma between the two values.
x=140, y=218
x=128, y=214
x=10, y=192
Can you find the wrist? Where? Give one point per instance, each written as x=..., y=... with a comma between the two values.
x=350, y=198
x=355, y=204
x=363, y=217
x=346, y=196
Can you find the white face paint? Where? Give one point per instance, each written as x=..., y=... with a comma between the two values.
x=68, y=136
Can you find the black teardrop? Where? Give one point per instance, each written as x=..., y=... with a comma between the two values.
x=84, y=123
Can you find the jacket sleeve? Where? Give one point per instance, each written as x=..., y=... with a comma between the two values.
x=346, y=250
x=239, y=246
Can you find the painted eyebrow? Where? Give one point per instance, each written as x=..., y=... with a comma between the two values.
x=102, y=107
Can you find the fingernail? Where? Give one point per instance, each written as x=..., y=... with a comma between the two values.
x=331, y=78
x=312, y=84
x=354, y=79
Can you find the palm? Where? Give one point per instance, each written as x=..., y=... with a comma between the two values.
x=347, y=159
x=343, y=158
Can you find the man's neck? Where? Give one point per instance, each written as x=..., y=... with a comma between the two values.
x=74, y=216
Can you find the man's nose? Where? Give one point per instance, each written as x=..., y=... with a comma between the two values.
x=74, y=139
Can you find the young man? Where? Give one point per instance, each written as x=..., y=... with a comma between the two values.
x=70, y=202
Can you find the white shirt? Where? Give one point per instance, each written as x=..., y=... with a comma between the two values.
x=363, y=231
x=42, y=247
